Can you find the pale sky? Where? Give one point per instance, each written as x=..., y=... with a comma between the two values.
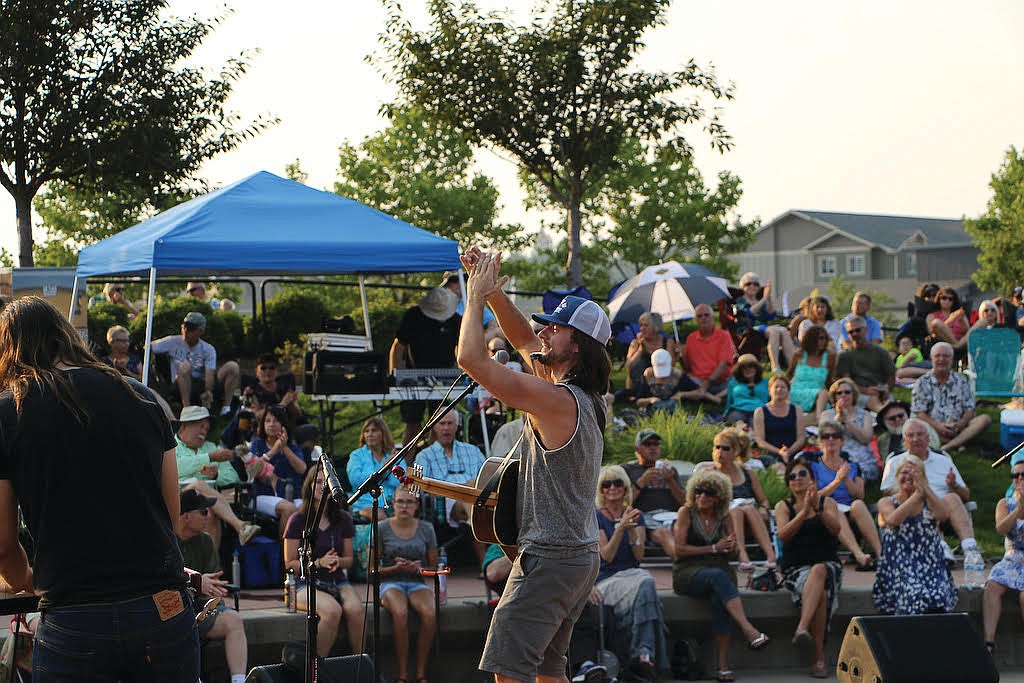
x=894, y=106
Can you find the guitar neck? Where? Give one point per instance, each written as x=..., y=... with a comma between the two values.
x=459, y=492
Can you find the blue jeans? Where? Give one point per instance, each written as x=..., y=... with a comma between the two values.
x=116, y=641
x=718, y=587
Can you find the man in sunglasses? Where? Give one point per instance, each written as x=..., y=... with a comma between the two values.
x=197, y=549
x=943, y=477
x=657, y=491
x=868, y=365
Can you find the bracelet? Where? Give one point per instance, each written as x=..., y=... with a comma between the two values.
x=714, y=548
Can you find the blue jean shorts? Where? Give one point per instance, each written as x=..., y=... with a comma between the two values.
x=407, y=587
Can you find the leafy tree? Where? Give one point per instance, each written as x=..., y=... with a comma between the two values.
x=545, y=267
x=560, y=95
x=420, y=172
x=654, y=207
x=997, y=233
x=293, y=171
x=840, y=294
x=93, y=93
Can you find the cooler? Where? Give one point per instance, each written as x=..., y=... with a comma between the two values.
x=1011, y=428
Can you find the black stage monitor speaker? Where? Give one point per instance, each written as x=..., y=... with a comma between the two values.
x=345, y=372
x=919, y=649
x=352, y=669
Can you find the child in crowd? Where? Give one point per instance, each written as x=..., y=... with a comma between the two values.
x=908, y=353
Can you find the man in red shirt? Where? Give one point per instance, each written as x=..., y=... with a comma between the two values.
x=708, y=356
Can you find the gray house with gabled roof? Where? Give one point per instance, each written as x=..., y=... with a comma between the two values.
x=803, y=250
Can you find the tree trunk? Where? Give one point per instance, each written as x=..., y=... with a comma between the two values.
x=23, y=210
x=574, y=261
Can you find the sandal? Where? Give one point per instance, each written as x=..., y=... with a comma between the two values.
x=726, y=676
x=819, y=670
x=802, y=637
x=759, y=642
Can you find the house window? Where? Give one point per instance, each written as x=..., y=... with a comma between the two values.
x=910, y=264
x=826, y=266
x=855, y=265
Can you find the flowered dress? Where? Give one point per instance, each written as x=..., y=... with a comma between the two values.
x=912, y=576
x=1009, y=571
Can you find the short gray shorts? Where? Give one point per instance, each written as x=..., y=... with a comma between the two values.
x=532, y=625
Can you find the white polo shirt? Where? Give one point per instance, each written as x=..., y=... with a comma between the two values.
x=936, y=467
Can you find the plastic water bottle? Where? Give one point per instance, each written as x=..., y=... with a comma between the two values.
x=974, y=568
x=289, y=491
x=236, y=570
x=290, y=592
x=442, y=579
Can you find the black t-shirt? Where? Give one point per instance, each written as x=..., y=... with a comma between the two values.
x=651, y=497
x=91, y=493
x=431, y=343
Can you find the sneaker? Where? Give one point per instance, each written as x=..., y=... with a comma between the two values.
x=247, y=533
x=590, y=673
x=225, y=411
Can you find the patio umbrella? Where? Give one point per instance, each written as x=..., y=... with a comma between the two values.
x=671, y=289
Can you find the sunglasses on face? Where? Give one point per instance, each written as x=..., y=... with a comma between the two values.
x=117, y=289
x=702, y=491
x=798, y=474
x=723, y=447
x=842, y=392
x=608, y=483
x=831, y=435
x=855, y=329
x=899, y=417
x=945, y=298
x=204, y=512
x=1018, y=475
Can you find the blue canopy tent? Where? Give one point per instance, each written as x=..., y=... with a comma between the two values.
x=268, y=225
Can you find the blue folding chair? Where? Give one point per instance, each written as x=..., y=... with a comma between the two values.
x=994, y=363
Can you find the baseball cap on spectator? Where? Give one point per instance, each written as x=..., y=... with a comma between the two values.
x=194, y=285
x=449, y=277
x=580, y=314
x=193, y=414
x=661, y=363
x=747, y=359
x=645, y=434
x=195, y=319
x=192, y=500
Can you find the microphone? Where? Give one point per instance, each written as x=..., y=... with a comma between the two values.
x=333, y=484
x=501, y=356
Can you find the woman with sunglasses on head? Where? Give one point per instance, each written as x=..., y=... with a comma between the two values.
x=913, y=577
x=621, y=583
x=808, y=524
x=949, y=323
x=335, y=596
x=705, y=542
x=407, y=545
x=1008, y=573
x=811, y=372
x=778, y=425
x=856, y=425
x=819, y=312
x=749, y=506
x=747, y=390
x=838, y=478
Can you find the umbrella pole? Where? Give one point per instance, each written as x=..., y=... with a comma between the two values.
x=675, y=330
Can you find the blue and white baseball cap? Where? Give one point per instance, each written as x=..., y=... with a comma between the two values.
x=580, y=314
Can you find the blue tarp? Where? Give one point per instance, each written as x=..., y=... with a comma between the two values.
x=265, y=224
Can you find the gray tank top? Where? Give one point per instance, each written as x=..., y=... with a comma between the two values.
x=555, y=506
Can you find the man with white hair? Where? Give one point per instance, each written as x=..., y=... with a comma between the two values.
x=708, y=355
x=944, y=400
x=943, y=477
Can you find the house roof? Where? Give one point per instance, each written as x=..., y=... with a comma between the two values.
x=888, y=232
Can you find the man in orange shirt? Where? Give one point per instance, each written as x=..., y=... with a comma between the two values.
x=708, y=356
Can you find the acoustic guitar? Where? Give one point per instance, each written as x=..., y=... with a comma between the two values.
x=493, y=519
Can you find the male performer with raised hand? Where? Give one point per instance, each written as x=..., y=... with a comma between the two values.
x=560, y=456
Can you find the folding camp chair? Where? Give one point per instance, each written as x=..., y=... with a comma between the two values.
x=994, y=363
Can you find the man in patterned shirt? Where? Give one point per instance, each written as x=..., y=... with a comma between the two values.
x=455, y=462
x=944, y=400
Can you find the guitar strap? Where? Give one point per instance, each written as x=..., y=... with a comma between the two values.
x=495, y=479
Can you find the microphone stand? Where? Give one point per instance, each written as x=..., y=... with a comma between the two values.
x=372, y=485
x=307, y=568
x=1010, y=454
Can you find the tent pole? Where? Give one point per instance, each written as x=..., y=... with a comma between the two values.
x=74, y=299
x=366, y=312
x=149, y=326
